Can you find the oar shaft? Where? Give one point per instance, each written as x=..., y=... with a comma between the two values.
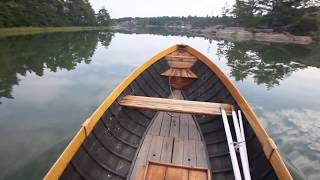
x=232, y=151
x=241, y=142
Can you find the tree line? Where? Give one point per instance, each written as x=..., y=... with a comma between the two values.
x=17, y=13
x=295, y=16
x=193, y=21
x=53, y=51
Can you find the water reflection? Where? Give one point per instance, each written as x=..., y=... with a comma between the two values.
x=267, y=64
x=36, y=126
x=158, y=31
x=296, y=132
x=45, y=51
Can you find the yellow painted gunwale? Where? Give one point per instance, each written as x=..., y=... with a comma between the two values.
x=268, y=145
x=59, y=166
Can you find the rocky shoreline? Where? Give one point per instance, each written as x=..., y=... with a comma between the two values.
x=261, y=35
x=230, y=34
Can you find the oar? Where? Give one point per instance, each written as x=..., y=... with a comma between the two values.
x=234, y=160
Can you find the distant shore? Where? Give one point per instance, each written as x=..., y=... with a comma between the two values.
x=214, y=32
x=230, y=33
x=35, y=30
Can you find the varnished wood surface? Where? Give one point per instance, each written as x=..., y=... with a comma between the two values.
x=82, y=159
x=165, y=171
x=180, y=59
x=179, y=72
x=172, y=138
x=173, y=105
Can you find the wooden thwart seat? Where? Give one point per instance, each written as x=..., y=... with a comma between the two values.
x=174, y=105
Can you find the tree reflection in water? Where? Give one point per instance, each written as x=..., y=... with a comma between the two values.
x=267, y=64
x=54, y=51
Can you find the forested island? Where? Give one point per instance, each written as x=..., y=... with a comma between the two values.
x=277, y=20
x=288, y=21
x=52, y=13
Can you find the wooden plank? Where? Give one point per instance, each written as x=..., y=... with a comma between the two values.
x=142, y=156
x=180, y=64
x=140, y=173
x=176, y=173
x=156, y=126
x=155, y=148
x=174, y=105
x=177, y=155
x=184, y=127
x=166, y=152
x=165, y=126
x=189, y=153
x=176, y=94
x=193, y=130
x=201, y=154
x=198, y=175
x=181, y=57
x=179, y=94
x=175, y=165
x=180, y=72
x=155, y=172
x=175, y=125
x=182, y=172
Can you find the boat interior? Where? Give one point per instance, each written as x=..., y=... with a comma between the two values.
x=167, y=124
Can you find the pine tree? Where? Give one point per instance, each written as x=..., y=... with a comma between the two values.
x=103, y=17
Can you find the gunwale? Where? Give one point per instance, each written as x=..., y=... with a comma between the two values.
x=269, y=147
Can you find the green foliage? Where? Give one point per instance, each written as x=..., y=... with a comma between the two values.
x=14, y=13
x=281, y=15
x=267, y=64
x=193, y=21
x=54, y=51
x=103, y=17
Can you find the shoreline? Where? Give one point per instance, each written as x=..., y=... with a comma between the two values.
x=232, y=34
x=226, y=33
x=16, y=31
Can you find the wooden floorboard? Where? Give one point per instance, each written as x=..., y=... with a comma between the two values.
x=177, y=173
x=177, y=156
x=184, y=127
x=175, y=125
x=156, y=173
x=155, y=148
x=193, y=130
x=142, y=156
x=189, y=153
x=165, y=126
x=166, y=152
x=156, y=126
x=201, y=156
x=175, y=139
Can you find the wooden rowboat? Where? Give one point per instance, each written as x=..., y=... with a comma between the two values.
x=170, y=119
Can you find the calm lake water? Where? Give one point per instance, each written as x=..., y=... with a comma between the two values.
x=50, y=83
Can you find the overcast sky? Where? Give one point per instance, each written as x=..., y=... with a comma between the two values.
x=149, y=8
